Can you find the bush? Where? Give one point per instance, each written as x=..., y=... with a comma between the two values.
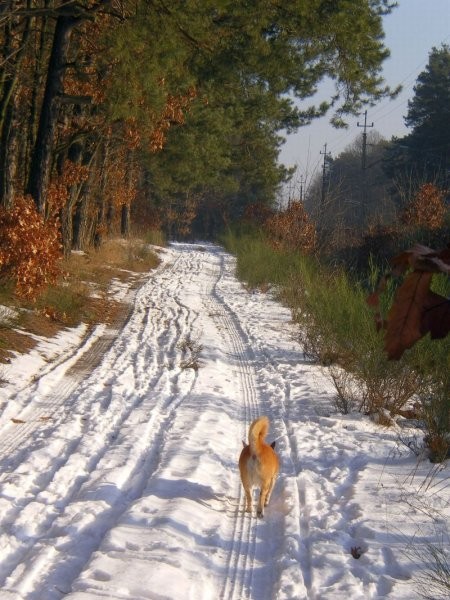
x=30, y=248
x=337, y=328
x=292, y=230
x=432, y=361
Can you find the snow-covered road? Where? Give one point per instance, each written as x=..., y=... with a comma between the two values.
x=119, y=475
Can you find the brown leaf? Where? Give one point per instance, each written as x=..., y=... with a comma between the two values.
x=404, y=323
x=436, y=317
x=17, y=421
x=373, y=299
x=401, y=263
x=422, y=258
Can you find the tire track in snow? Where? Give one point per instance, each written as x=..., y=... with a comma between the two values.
x=15, y=438
x=250, y=570
x=240, y=581
x=299, y=529
x=34, y=434
x=290, y=533
x=320, y=466
x=133, y=477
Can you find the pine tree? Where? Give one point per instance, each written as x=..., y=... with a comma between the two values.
x=425, y=152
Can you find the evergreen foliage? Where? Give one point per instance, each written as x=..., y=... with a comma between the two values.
x=178, y=104
x=425, y=152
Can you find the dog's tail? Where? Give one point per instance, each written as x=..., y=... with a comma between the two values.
x=257, y=433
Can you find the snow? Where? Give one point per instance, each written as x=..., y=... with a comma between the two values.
x=122, y=482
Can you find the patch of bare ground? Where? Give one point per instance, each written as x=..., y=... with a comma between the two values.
x=82, y=295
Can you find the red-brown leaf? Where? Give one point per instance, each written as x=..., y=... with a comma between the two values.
x=436, y=317
x=404, y=323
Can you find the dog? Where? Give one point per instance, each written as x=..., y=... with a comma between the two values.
x=258, y=465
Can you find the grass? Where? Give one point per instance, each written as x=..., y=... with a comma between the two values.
x=258, y=264
x=81, y=295
x=155, y=237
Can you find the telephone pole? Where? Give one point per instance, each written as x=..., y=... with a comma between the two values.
x=325, y=154
x=364, y=140
x=364, y=167
x=301, y=188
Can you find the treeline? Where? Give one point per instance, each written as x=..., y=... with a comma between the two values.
x=171, y=111
x=378, y=192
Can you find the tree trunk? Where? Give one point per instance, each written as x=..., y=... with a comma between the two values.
x=101, y=225
x=40, y=67
x=8, y=100
x=125, y=220
x=8, y=159
x=41, y=162
x=74, y=155
x=126, y=207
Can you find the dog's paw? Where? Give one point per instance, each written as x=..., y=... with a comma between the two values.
x=260, y=514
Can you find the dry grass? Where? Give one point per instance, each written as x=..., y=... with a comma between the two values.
x=115, y=258
x=81, y=296
x=190, y=350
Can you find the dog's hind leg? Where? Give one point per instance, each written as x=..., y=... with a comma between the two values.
x=248, y=499
x=269, y=493
x=263, y=499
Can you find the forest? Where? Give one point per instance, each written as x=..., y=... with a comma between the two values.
x=125, y=120
x=165, y=115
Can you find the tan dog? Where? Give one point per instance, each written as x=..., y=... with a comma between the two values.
x=258, y=465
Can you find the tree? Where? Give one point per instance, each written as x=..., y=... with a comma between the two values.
x=425, y=153
x=356, y=199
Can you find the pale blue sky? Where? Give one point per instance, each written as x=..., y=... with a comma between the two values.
x=412, y=29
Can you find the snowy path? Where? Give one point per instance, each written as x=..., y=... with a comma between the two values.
x=122, y=480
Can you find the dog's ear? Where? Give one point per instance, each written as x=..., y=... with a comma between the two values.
x=244, y=444
x=272, y=445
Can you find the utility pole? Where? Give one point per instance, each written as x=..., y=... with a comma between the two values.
x=325, y=154
x=364, y=139
x=301, y=188
x=364, y=167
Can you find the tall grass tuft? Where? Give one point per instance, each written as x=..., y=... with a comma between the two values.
x=258, y=263
x=155, y=237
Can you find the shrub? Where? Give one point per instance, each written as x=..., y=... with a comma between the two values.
x=30, y=248
x=292, y=230
x=427, y=209
x=432, y=361
x=337, y=328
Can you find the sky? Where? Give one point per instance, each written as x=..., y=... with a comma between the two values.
x=411, y=31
